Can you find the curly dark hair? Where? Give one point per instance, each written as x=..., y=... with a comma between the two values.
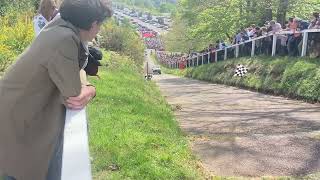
x=82, y=13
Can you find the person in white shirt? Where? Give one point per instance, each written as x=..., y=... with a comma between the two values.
x=46, y=11
x=276, y=27
x=252, y=31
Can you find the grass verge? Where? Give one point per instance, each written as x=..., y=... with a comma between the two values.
x=133, y=133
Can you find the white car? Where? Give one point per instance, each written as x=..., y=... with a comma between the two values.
x=156, y=70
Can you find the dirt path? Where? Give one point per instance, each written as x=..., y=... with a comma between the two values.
x=242, y=133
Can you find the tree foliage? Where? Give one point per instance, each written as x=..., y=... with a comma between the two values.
x=16, y=30
x=17, y=5
x=122, y=39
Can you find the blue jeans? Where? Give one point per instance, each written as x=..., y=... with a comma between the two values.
x=55, y=166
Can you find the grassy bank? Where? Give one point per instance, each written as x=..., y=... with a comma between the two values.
x=133, y=134
x=291, y=77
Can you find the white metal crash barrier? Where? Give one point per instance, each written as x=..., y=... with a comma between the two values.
x=274, y=41
x=76, y=159
x=194, y=60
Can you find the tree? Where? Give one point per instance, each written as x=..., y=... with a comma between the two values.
x=122, y=39
x=282, y=11
x=209, y=20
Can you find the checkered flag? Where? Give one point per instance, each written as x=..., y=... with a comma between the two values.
x=240, y=71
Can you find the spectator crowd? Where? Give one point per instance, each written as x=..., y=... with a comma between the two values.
x=172, y=59
x=289, y=41
x=154, y=43
x=289, y=38
x=151, y=38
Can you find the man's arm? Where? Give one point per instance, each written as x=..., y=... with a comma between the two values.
x=63, y=68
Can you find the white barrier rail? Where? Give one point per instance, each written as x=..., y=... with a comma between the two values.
x=305, y=34
x=76, y=160
x=305, y=39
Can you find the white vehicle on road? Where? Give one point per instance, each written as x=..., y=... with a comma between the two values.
x=156, y=70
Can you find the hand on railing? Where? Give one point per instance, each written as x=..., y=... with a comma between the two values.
x=79, y=102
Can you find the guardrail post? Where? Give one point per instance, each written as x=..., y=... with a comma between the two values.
x=216, y=56
x=197, y=60
x=304, y=44
x=225, y=53
x=202, y=59
x=253, y=48
x=274, y=45
x=237, y=50
x=209, y=58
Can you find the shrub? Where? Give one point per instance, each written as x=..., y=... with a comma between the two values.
x=22, y=5
x=122, y=39
x=310, y=86
x=6, y=57
x=294, y=75
x=16, y=34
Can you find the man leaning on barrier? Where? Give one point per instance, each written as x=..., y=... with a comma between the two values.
x=37, y=89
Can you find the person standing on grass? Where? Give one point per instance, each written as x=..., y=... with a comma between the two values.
x=40, y=85
x=46, y=12
x=294, y=38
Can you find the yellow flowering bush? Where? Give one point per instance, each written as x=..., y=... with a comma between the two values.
x=16, y=34
x=6, y=57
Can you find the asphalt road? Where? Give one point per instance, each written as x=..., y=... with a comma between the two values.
x=237, y=132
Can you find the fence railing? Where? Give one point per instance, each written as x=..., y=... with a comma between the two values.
x=271, y=44
x=76, y=159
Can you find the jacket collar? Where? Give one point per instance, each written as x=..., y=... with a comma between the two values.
x=59, y=21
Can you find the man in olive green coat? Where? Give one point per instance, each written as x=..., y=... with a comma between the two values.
x=36, y=90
